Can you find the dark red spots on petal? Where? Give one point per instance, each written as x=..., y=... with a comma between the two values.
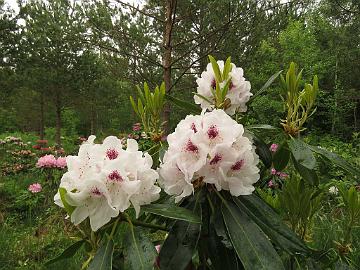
x=115, y=176
x=213, y=84
x=112, y=153
x=231, y=86
x=238, y=165
x=213, y=132
x=193, y=127
x=95, y=191
x=191, y=147
x=216, y=159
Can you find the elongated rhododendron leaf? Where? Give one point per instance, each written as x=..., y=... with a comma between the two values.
x=271, y=224
x=103, y=257
x=172, y=211
x=189, y=107
x=302, y=153
x=250, y=243
x=139, y=252
x=281, y=157
x=336, y=160
x=179, y=246
x=68, y=252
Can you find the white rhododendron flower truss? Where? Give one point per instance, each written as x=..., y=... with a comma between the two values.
x=210, y=148
x=105, y=179
x=238, y=92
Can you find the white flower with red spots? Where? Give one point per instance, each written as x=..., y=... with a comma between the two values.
x=238, y=93
x=210, y=147
x=105, y=179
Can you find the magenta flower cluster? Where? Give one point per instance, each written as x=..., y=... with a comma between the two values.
x=280, y=174
x=50, y=161
x=35, y=188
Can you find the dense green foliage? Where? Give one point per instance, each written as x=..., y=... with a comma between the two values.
x=67, y=69
x=75, y=64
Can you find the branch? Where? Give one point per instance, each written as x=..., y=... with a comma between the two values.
x=139, y=10
x=233, y=19
x=346, y=9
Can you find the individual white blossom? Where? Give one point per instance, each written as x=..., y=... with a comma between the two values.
x=333, y=190
x=238, y=93
x=105, y=179
x=210, y=147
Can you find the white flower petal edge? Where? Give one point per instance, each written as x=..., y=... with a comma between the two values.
x=239, y=90
x=105, y=179
x=212, y=148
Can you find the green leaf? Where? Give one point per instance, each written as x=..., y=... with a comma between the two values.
x=250, y=243
x=172, y=211
x=133, y=105
x=67, y=253
x=189, y=107
x=281, y=157
x=227, y=68
x=178, y=248
x=140, y=94
x=266, y=85
x=271, y=224
x=202, y=97
x=103, y=256
x=302, y=153
x=225, y=90
x=216, y=69
x=69, y=208
x=220, y=256
x=336, y=160
x=263, y=151
x=308, y=174
x=139, y=252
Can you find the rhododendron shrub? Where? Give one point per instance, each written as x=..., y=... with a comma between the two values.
x=210, y=168
x=105, y=179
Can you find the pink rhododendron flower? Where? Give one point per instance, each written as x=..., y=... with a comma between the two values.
x=47, y=161
x=44, y=142
x=282, y=175
x=274, y=147
x=136, y=127
x=270, y=184
x=273, y=171
x=61, y=162
x=35, y=188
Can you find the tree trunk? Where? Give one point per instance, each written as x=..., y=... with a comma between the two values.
x=58, y=119
x=335, y=110
x=41, y=128
x=170, y=10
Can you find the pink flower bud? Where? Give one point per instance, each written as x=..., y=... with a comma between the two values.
x=274, y=147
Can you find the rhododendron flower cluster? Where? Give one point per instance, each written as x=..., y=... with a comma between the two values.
x=105, y=179
x=35, y=188
x=209, y=148
x=50, y=161
x=238, y=93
